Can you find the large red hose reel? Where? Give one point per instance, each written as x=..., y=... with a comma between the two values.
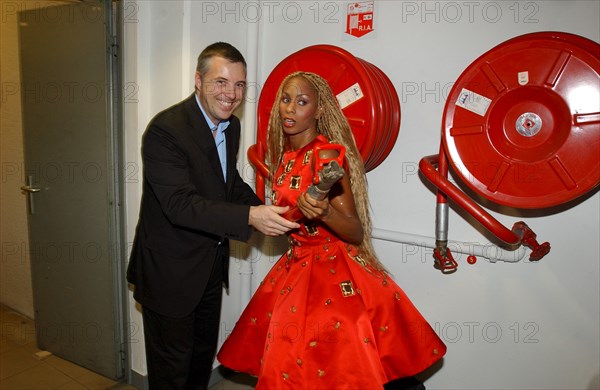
x=521, y=128
x=367, y=97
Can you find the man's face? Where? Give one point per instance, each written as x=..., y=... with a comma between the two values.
x=221, y=89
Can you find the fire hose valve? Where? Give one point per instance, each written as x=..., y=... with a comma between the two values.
x=330, y=174
x=444, y=261
x=528, y=238
x=328, y=171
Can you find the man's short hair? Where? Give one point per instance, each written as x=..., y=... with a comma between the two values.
x=218, y=49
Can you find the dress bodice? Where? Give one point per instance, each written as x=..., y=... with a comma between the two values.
x=293, y=177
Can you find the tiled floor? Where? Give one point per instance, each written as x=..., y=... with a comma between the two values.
x=239, y=382
x=22, y=367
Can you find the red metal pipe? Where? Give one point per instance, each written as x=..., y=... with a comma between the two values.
x=443, y=170
x=256, y=156
x=426, y=165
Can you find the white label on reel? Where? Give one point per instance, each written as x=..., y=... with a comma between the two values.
x=473, y=102
x=349, y=96
x=523, y=78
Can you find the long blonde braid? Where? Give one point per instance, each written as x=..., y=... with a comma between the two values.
x=332, y=124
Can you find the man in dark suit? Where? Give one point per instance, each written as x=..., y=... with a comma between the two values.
x=193, y=202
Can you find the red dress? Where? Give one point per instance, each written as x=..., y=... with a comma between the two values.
x=322, y=318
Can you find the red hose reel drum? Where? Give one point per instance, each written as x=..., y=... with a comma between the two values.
x=521, y=125
x=367, y=97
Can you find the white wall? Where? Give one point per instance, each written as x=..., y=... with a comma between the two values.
x=507, y=325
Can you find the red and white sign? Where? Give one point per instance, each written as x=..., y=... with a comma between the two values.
x=359, y=20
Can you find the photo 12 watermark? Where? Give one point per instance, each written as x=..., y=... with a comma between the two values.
x=491, y=332
x=470, y=11
x=54, y=253
x=32, y=11
x=66, y=172
x=64, y=92
x=270, y=12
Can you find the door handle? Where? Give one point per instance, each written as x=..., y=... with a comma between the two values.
x=30, y=189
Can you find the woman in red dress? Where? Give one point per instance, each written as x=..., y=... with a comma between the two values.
x=327, y=315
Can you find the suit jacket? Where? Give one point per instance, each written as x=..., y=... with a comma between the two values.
x=188, y=211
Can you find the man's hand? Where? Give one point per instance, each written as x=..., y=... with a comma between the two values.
x=267, y=220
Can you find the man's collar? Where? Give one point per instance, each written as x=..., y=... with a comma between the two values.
x=222, y=125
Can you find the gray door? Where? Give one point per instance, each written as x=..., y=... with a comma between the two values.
x=65, y=63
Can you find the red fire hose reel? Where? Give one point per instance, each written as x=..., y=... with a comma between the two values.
x=521, y=128
x=367, y=97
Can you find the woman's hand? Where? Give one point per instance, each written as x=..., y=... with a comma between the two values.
x=337, y=211
x=312, y=208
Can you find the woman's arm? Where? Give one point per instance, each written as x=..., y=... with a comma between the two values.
x=337, y=210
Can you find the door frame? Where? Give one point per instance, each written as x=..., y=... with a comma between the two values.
x=117, y=221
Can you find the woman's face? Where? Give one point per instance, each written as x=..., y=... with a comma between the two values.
x=299, y=110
